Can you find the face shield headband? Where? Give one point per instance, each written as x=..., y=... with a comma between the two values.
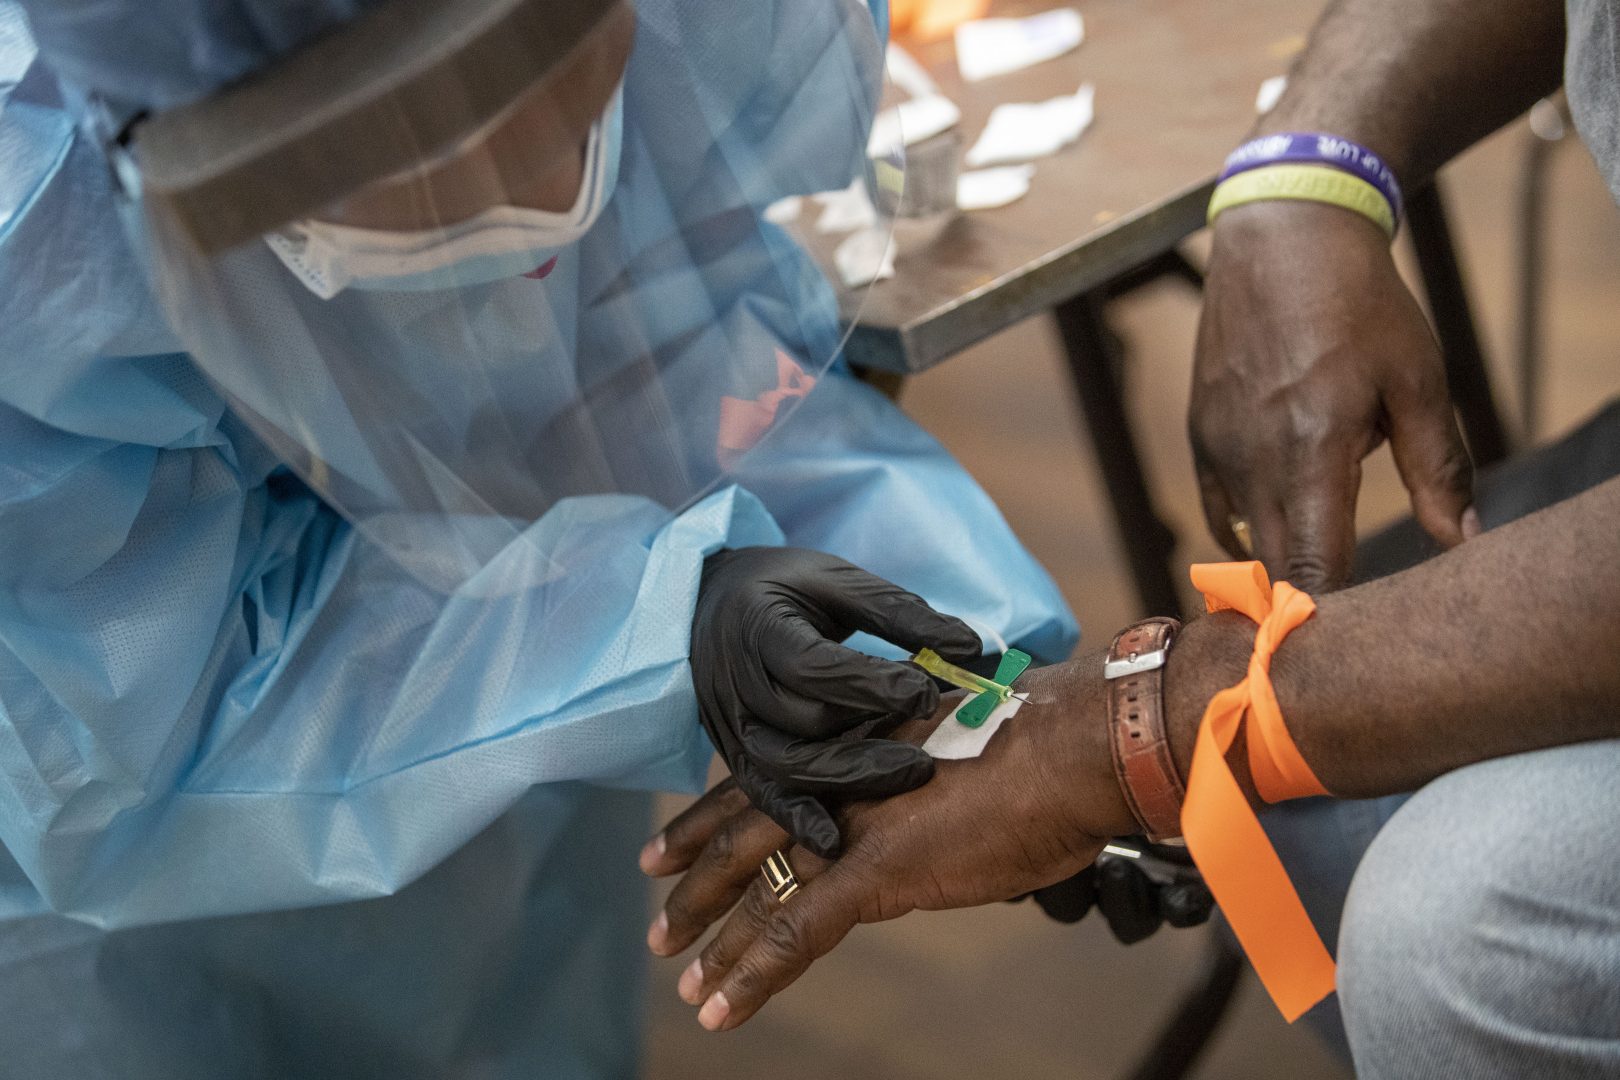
x=367, y=101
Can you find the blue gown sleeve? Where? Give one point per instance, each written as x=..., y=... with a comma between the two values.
x=215, y=697
x=850, y=474
x=880, y=16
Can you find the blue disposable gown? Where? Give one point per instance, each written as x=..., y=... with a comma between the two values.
x=219, y=857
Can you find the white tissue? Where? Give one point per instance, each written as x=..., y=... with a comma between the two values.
x=987, y=189
x=1271, y=91
x=952, y=741
x=987, y=47
x=846, y=210
x=785, y=211
x=865, y=257
x=1024, y=131
x=911, y=122
x=907, y=74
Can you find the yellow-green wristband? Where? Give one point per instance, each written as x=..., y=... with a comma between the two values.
x=1312, y=183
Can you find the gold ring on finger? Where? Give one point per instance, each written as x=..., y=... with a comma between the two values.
x=779, y=876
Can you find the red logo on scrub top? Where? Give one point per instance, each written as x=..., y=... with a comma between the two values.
x=743, y=422
x=540, y=273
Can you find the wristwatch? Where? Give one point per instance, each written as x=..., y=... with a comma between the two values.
x=1137, y=739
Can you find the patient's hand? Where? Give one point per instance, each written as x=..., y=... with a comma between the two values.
x=1033, y=809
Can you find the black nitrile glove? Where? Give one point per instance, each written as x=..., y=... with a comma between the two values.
x=1128, y=900
x=1071, y=899
x=776, y=688
x=1135, y=896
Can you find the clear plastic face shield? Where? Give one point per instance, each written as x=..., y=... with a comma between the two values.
x=464, y=263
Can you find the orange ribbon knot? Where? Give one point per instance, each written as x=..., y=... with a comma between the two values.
x=1223, y=835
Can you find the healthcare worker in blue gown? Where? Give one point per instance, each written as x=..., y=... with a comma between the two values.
x=376, y=378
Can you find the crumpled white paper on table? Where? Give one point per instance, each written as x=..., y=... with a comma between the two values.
x=846, y=210
x=952, y=741
x=911, y=122
x=1024, y=131
x=1271, y=91
x=784, y=211
x=989, y=47
x=907, y=74
x=865, y=257
x=987, y=189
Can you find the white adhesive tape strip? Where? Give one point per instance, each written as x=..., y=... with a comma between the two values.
x=952, y=741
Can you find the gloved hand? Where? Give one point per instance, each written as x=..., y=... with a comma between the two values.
x=1134, y=898
x=776, y=688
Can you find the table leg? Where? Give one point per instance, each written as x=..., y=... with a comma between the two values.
x=1532, y=229
x=1172, y=1055
x=888, y=383
x=1148, y=542
x=1170, y=264
x=1454, y=326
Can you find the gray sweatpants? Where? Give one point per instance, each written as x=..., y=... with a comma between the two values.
x=1477, y=921
x=1481, y=936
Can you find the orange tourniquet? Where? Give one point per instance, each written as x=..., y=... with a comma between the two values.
x=1224, y=837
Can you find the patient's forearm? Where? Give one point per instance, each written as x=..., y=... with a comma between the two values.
x=1419, y=81
x=1506, y=644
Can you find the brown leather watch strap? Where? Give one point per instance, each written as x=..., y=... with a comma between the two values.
x=1141, y=750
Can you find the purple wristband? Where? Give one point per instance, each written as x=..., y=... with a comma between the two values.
x=1315, y=148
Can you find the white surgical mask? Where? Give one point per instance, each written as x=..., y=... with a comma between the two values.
x=502, y=242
